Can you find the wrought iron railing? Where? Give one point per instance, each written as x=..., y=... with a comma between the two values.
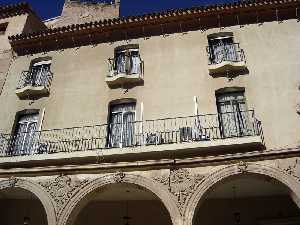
x=227, y=52
x=139, y=133
x=36, y=78
x=128, y=67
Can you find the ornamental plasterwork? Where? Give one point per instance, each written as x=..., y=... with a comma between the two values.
x=242, y=167
x=13, y=181
x=298, y=108
x=291, y=167
x=62, y=189
x=181, y=183
x=119, y=177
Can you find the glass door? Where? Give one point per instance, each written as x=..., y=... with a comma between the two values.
x=233, y=114
x=23, y=140
x=121, y=126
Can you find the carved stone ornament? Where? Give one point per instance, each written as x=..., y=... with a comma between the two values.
x=298, y=108
x=119, y=177
x=62, y=189
x=181, y=184
x=12, y=181
x=292, y=168
x=242, y=167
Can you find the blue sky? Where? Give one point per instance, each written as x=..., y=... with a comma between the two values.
x=51, y=8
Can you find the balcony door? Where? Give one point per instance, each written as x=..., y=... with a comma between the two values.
x=222, y=49
x=233, y=115
x=127, y=61
x=39, y=72
x=23, y=139
x=121, y=125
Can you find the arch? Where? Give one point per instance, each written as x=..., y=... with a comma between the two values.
x=198, y=196
x=35, y=189
x=157, y=189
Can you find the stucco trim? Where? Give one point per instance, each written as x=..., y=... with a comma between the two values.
x=35, y=189
x=78, y=200
x=253, y=168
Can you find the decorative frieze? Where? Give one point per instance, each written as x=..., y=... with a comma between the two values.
x=62, y=189
x=298, y=108
x=13, y=181
x=119, y=177
x=242, y=167
x=291, y=167
x=181, y=183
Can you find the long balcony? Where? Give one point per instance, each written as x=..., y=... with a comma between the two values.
x=225, y=58
x=34, y=83
x=184, y=134
x=125, y=72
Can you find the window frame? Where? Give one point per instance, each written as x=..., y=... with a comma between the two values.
x=111, y=112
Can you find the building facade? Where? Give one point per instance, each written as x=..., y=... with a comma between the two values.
x=185, y=117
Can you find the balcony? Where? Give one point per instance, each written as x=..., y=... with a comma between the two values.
x=225, y=58
x=125, y=72
x=182, y=135
x=34, y=83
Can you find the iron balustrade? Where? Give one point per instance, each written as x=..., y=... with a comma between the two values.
x=139, y=133
x=227, y=52
x=36, y=78
x=128, y=67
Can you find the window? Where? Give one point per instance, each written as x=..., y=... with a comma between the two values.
x=233, y=114
x=38, y=74
x=3, y=28
x=222, y=49
x=24, y=135
x=121, y=125
x=127, y=61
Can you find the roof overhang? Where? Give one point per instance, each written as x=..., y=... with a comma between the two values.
x=238, y=13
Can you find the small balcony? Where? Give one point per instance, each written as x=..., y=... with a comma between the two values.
x=122, y=72
x=225, y=58
x=151, y=138
x=34, y=83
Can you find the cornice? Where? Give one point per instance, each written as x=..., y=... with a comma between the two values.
x=103, y=167
x=15, y=10
x=174, y=16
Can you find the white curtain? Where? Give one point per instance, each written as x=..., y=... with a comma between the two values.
x=135, y=62
x=120, y=61
x=122, y=125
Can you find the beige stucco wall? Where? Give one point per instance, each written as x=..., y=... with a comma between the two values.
x=16, y=25
x=176, y=70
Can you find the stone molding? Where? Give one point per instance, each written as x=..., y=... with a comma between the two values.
x=35, y=189
x=181, y=183
x=81, y=197
x=292, y=168
x=242, y=166
x=61, y=189
x=119, y=177
x=212, y=179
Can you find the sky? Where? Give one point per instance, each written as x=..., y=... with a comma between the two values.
x=51, y=8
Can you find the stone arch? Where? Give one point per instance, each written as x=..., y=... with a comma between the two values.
x=35, y=189
x=157, y=189
x=198, y=196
